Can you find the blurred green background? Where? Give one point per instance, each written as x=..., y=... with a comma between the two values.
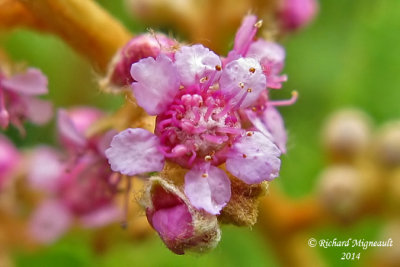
x=348, y=57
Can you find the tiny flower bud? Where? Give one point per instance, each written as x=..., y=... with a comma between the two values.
x=340, y=191
x=177, y=222
x=387, y=145
x=141, y=46
x=346, y=135
x=296, y=14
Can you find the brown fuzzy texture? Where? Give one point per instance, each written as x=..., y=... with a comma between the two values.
x=242, y=209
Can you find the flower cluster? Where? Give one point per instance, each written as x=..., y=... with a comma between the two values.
x=18, y=99
x=80, y=184
x=210, y=111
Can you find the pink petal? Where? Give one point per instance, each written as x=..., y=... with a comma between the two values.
x=104, y=141
x=210, y=193
x=195, y=62
x=9, y=158
x=101, y=217
x=245, y=34
x=135, y=151
x=157, y=83
x=45, y=169
x=37, y=110
x=32, y=82
x=270, y=124
x=253, y=159
x=265, y=50
x=274, y=123
x=68, y=132
x=243, y=81
x=84, y=117
x=49, y=221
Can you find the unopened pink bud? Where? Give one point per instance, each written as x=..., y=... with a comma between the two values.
x=179, y=224
x=141, y=46
x=296, y=14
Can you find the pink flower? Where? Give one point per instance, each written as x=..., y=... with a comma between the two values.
x=18, y=99
x=141, y=46
x=9, y=159
x=199, y=104
x=82, y=184
x=296, y=14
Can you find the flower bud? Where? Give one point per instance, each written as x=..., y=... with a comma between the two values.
x=346, y=135
x=296, y=14
x=387, y=145
x=142, y=46
x=178, y=223
x=340, y=191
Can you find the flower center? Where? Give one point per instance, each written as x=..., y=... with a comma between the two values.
x=197, y=127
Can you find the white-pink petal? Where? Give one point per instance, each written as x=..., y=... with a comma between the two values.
x=101, y=217
x=196, y=62
x=37, y=110
x=32, y=82
x=254, y=158
x=157, y=82
x=243, y=81
x=49, y=221
x=245, y=34
x=45, y=169
x=135, y=151
x=209, y=193
x=68, y=132
x=275, y=125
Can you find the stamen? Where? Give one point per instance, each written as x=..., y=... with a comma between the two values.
x=208, y=158
x=215, y=139
x=204, y=175
x=229, y=130
x=252, y=70
x=249, y=90
x=249, y=133
x=288, y=102
x=258, y=24
x=223, y=112
x=241, y=85
x=192, y=158
x=244, y=156
x=218, y=68
x=204, y=79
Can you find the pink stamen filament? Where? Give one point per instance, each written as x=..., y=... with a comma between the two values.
x=287, y=102
x=229, y=130
x=215, y=139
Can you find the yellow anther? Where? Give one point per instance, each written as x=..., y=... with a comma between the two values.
x=249, y=133
x=208, y=158
x=218, y=68
x=241, y=84
x=252, y=70
x=204, y=175
x=249, y=90
x=258, y=24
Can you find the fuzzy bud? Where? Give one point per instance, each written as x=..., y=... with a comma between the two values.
x=387, y=145
x=346, y=135
x=340, y=191
x=178, y=223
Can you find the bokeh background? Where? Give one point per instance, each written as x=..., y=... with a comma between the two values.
x=348, y=57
